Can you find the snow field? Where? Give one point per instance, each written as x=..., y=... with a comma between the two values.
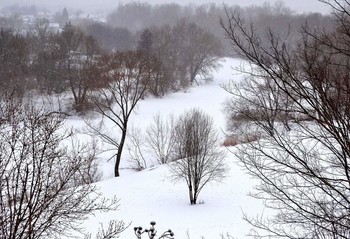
x=150, y=195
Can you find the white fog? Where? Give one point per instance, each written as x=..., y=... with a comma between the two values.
x=299, y=6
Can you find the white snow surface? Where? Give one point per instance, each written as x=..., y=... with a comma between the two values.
x=150, y=195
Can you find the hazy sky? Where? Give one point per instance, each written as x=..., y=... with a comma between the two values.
x=299, y=6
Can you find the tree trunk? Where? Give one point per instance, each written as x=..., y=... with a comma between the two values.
x=116, y=166
x=190, y=191
x=119, y=153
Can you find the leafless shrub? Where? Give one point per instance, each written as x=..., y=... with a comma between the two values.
x=134, y=146
x=159, y=138
x=114, y=229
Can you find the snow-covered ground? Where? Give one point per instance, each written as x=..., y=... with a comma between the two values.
x=150, y=195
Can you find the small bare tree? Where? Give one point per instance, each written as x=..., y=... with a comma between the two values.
x=136, y=149
x=159, y=138
x=158, y=141
x=42, y=194
x=199, y=161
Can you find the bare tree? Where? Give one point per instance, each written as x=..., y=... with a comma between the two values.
x=41, y=191
x=200, y=51
x=159, y=138
x=184, y=54
x=112, y=231
x=158, y=141
x=302, y=161
x=167, y=57
x=199, y=161
x=77, y=68
x=153, y=62
x=124, y=78
x=135, y=147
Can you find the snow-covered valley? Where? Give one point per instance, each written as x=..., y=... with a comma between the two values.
x=150, y=195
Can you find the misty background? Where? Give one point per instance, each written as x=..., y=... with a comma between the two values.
x=43, y=40
x=299, y=6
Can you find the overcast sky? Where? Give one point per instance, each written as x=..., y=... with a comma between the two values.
x=299, y=6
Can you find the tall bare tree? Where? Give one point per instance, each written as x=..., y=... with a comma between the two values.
x=200, y=51
x=125, y=77
x=76, y=56
x=302, y=159
x=198, y=160
x=185, y=53
x=153, y=62
x=42, y=194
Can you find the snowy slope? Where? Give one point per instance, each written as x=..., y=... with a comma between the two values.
x=149, y=195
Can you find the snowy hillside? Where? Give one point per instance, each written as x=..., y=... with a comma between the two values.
x=149, y=195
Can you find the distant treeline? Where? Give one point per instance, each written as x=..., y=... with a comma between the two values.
x=137, y=16
x=178, y=45
x=171, y=58
x=123, y=25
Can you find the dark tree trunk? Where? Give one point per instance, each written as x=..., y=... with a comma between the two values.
x=191, y=194
x=119, y=153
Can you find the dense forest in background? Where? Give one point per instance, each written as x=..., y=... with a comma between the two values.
x=179, y=45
